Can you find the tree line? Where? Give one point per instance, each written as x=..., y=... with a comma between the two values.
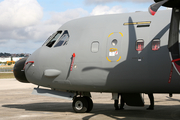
x=14, y=55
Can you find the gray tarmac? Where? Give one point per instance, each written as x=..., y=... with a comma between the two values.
x=17, y=103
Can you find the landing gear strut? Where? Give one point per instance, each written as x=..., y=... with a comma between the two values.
x=82, y=104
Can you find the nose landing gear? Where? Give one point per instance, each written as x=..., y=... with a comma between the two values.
x=82, y=104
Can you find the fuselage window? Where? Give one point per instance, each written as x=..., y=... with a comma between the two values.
x=54, y=38
x=95, y=47
x=63, y=39
x=139, y=45
x=114, y=42
x=155, y=44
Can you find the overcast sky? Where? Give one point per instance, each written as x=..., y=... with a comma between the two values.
x=26, y=24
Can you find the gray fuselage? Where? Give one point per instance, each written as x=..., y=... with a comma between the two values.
x=102, y=66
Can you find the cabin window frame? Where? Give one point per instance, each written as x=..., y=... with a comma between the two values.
x=155, y=44
x=95, y=47
x=139, y=45
x=114, y=42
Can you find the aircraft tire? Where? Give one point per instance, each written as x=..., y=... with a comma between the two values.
x=80, y=105
x=90, y=103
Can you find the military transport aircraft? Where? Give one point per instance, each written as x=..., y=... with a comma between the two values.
x=129, y=53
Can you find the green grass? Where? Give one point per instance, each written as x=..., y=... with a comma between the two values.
x=6, y=75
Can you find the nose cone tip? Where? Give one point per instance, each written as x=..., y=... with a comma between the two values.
x=18, y=73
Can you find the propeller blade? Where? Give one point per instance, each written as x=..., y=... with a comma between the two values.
x=173, y=42
x=174, y=29
x=154, y=7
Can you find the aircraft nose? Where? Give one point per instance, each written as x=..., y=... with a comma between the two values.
x=18, y=71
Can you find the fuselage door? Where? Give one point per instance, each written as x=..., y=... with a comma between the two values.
x=114, y=41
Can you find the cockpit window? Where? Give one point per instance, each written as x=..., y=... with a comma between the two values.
x=54, y=38
x=63, y=39
x=49, y=38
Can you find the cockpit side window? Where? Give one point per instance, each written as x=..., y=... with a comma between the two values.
x=49, y=38
x=63, y=39
x=54, y=38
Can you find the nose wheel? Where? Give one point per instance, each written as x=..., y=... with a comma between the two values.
x=82, y=104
